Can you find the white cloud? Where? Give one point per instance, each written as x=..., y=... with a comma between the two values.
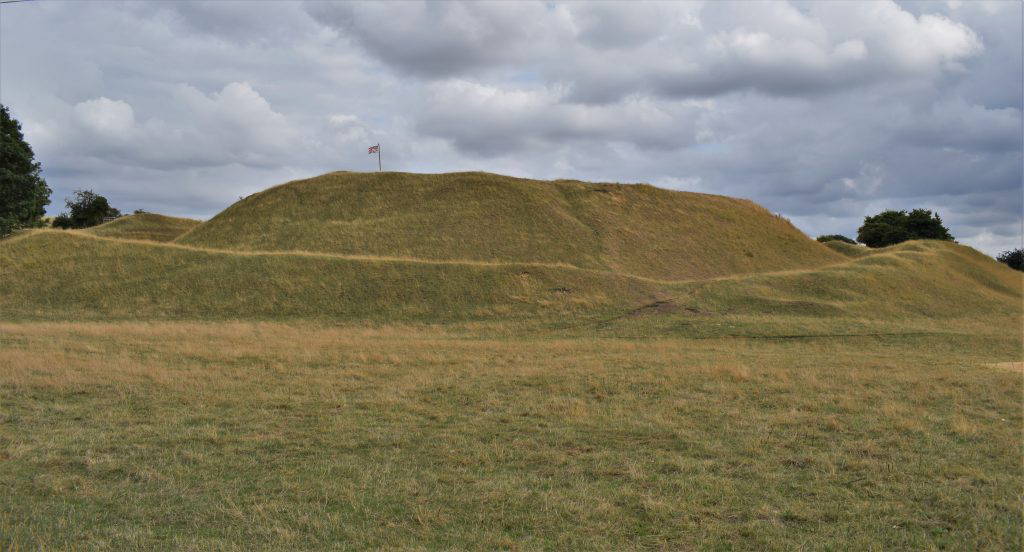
x=106, y=117
x=605, y=51
x=233, y=125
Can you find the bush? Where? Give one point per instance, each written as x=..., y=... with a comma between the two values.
x=87, y=209
x=1013, y=258
x=892, y=227
x=61, y=221
x=835, y=237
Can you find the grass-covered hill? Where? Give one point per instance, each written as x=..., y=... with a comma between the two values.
x=50, y=274
x=59, y=274
x=472, y=246
x=628, y=229
x=145, y=226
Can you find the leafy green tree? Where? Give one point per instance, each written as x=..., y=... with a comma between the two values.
x=24, y=194
x=86, y=209
x=892, y=227
x=1013, y=258
x=835, y=237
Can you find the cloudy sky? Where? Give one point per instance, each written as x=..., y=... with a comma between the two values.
x=824, y=111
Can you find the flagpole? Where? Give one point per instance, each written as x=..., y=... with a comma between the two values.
x=379, y=167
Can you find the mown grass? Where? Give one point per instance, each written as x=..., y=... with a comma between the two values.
x=630, y=229
x=145, y=226
x=246, y=436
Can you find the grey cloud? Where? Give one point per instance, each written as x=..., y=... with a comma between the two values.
x=956, y=124
x=606, y=51
x=490, y=121
x=441, y=39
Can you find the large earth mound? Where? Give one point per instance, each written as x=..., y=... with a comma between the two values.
x=629, y=229
x=475, y=246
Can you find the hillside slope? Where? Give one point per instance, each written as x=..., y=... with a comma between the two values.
x=145, y=226
x=629, y=229
x=48, y=274
x=53, y=274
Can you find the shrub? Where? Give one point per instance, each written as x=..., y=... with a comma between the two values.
x=61, y=221
x=835, y=237
x=1013, y=258
x=892, y=227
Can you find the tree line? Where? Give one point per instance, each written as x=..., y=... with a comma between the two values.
x=892, y=227
x=24, y=196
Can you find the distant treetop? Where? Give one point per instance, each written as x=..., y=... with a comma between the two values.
x=1013, y=258
x=86, y=209
x=892, y=227
x=835, y=237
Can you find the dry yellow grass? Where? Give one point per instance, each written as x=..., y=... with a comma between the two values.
x=628, y=229
x=270, y=436
x=72, y=275
x=559, y=366
x=259, y=435
x=144, y=226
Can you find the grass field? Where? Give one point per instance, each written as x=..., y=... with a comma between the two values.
x=243, y=436
x=331, y=382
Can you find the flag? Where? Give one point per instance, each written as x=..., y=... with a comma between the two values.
x=374, y=149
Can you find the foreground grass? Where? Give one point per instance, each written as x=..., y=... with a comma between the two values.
x=271, y=436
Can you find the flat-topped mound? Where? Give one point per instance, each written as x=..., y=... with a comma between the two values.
x=145, y=226
x=629, y=229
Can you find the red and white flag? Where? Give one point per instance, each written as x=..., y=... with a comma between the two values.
x=374, y=149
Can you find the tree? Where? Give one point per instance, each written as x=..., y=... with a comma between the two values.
x=892, y=227
x=835, y=237
x=24, y=194
x=86, y=209
x=1013, y=258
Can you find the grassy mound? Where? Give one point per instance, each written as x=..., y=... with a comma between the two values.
x=630, y=229
x=74, y=275
x=471, y=246
x=919, y=285
x=145, y=226
x=848, y=249
x=117, y=279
